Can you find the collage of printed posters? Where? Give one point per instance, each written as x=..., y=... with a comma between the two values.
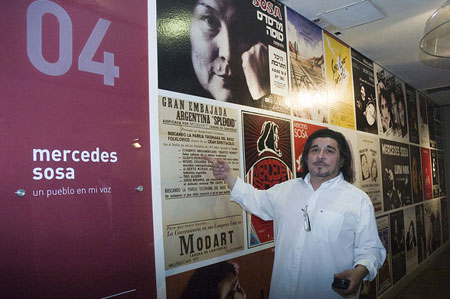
x=199, y=221
x=213, y=57
x=339, y=82
x=396, y=174
x=268, y=161
x=438, y=127
x=416, y=174
x=441, y=171
x=426, y=170
x=424, y=134
x=398, y=245
x=444, y=213
x=412, y=114
x=384, y=276
x=197, y=283
x=411, y=238
x=432, y=225
x=301, y=133
x=308, y=96
x=364, y=91
x=421, y=236
x=368, y=159
x=390, y=92
x=434, y=172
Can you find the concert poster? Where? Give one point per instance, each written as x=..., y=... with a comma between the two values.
x=441, y=171
x=413, y=123
x=426, y=170
x=369, y=176
x=301, y=133
x=190, y=36
x=391, y=103
x=431, y=123
x=199, y=221
x=339, y=82
x=395, y=174
x=268, y=161
x=434, y=172
x=424, y=134
x=398, y=246
x=384, y=276
x=445, y=223
x=432, y=225
x=420, y=232
x=364, y=90
x=411, y=238
x=416, y=174
x=308, y=96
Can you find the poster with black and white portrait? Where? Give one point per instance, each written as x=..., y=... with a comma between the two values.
x=410, y=238
x=424, y=134
x=364, y=92
x=228, y=50
x=413, y=122
x=416, y=174
x=396, y=174
x=421, y=236
x=391, y=101
x=432, y=225
x=268, y=161
x=431, y=123
x=398, y=246
x=369, y=176
x=434, y=172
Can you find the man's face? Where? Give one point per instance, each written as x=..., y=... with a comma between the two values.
x=395, y=109
x=401, y=114
x=385, y=115
x=324, y=159
x=213, y=47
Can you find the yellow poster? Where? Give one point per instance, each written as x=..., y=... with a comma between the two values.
x=339, y=82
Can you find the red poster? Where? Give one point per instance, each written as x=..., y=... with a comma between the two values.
x=301, y=133
x=426, y=170
x=75, y=206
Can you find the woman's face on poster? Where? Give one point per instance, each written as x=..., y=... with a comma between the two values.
x=215, y=47
x=401, y=113
x=364, y=166
x=374, y=170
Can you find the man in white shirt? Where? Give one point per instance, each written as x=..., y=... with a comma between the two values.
x=324, y=226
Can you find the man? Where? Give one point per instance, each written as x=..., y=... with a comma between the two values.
x=324, y=226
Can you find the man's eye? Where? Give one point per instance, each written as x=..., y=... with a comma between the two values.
x=211, y=21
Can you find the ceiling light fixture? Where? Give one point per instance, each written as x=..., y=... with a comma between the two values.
x=436, y=37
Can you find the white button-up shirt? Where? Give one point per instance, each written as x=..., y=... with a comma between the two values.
x=343, y=233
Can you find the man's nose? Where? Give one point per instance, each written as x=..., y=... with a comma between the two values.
x=224, y=44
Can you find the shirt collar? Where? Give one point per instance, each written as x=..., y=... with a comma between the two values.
x=325, y=185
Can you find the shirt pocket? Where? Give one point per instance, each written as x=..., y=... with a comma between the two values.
x=327, y=225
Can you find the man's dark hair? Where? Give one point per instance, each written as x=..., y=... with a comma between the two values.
x=344, y=151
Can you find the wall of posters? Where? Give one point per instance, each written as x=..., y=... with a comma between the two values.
x=199, y=221
x=364, y=89
x=307, y=69
x=368, y=156
x=339, y=82
x=268, y=161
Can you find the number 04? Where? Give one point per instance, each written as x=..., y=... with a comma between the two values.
x=35, y=12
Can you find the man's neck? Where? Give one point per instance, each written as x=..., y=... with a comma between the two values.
x=317, y=181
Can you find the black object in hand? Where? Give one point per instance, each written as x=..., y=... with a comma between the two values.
x=340, y=283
